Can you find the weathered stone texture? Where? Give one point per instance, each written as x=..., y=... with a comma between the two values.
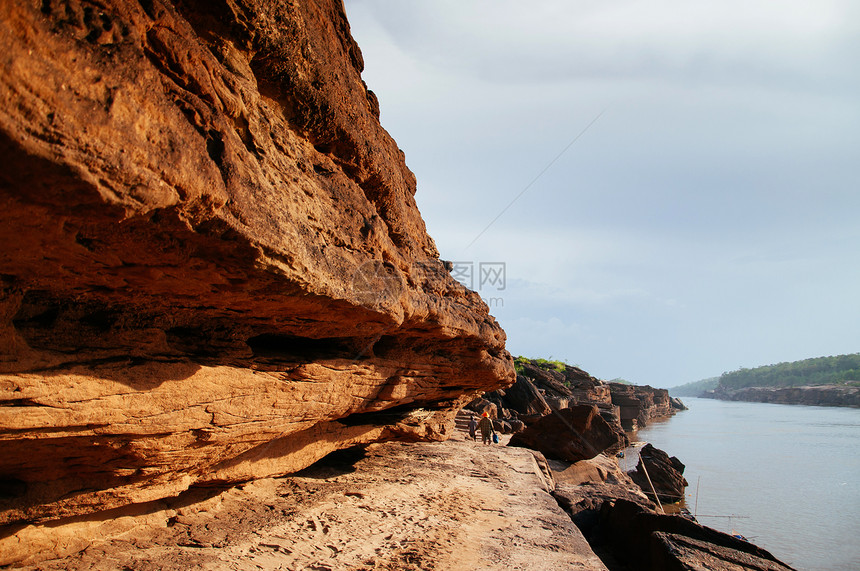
x=640, y=404
x=541, y=388
x=213, y=268
x=571, y=434
x=666, y=475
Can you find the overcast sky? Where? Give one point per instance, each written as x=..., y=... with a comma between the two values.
x=707, y=219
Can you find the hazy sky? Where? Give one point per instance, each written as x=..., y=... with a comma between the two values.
x=708, y=219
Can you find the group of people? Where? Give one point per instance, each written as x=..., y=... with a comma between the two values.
x=485, y=425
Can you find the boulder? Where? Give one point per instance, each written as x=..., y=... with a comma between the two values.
x=644, y=540
x=502, y=426
x=482, y=405
x=571, y=434
x=625, y=528
x=666, y=474
x=524, y=398
x=583, y=501
x=677, y=403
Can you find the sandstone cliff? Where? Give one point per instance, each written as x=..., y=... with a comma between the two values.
x=640, y=404
x=542, y=387
x=213, y=268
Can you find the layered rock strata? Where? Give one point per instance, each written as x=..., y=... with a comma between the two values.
x=657, y=472
x=629, y=534
x=638, y=405
x=213, y=268
x=571, y=434
x=541, y=388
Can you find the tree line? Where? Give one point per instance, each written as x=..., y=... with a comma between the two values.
x=834, y=370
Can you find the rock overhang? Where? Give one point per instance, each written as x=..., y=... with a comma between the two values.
x=213, y=265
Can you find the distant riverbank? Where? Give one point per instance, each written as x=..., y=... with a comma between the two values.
x=823, y=395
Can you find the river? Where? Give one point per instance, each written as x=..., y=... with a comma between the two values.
x=789, y=475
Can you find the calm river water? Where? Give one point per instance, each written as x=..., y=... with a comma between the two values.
x=789, y=474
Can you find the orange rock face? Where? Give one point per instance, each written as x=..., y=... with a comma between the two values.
x=213, y=268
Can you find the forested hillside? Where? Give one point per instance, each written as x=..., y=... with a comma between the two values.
x=838, y=370
x=694, y=389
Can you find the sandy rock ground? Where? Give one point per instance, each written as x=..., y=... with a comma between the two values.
x=448, y=506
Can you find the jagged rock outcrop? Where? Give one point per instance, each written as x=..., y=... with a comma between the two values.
x=643, y=540
x=626, y=530
x=571, y=434
x=542, y=387
x=213, y=268
x=523, y=398
x=638, y=405
x=665, y=473
x=822, y=395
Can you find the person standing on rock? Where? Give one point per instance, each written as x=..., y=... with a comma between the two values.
x=486, y=426
x=473, y=427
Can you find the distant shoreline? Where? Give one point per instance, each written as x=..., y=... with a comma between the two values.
x=821, y=395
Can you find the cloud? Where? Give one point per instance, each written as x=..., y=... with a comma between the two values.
x=706, y=221
x=556, y=41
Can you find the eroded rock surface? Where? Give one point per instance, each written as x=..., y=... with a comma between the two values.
x=665, y=473
x=446, y=506
x=637, y=405
x=542, y=387
x=635, y=536
x=571, y=434
x=213, y=268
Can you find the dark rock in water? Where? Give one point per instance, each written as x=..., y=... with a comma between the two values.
x=571, y=434
x=648, y=541
x=677, y=404
x=667, y=474
x=673, y=551
x=627, y=533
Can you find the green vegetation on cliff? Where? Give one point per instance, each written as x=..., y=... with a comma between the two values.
x=542, y=363
x=838, y=370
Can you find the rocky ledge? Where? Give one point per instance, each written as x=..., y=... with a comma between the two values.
x=542, y=388
x=213, y=268
x=821, y=395
x=452, y=506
